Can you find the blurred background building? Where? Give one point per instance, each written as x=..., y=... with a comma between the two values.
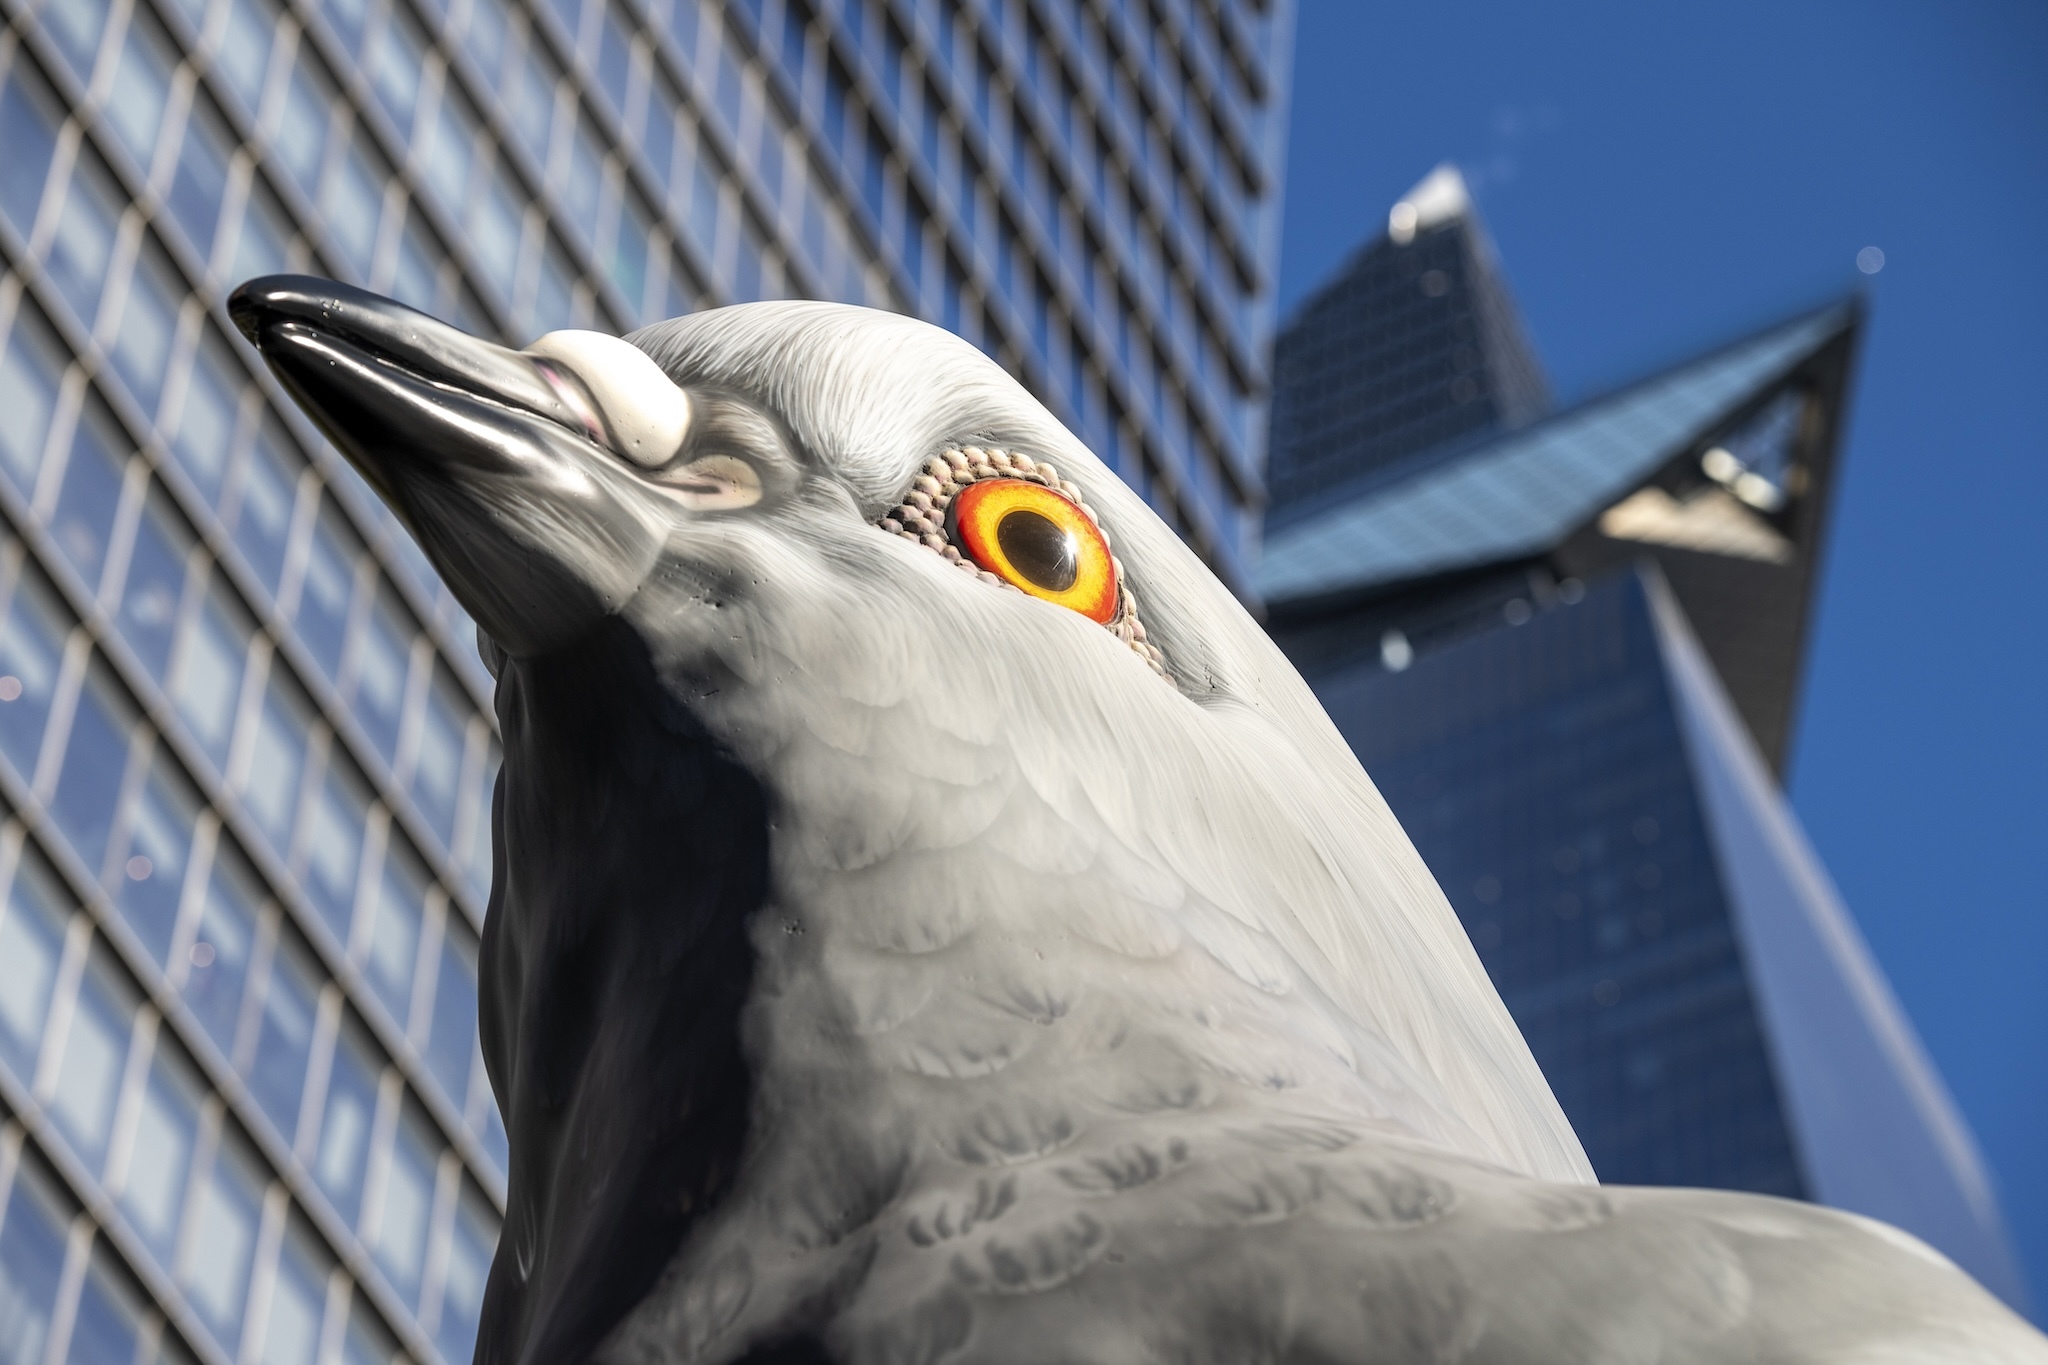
x=1567, y=646
x=246, y=749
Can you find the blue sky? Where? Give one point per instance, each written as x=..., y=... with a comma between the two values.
x=1659, y=178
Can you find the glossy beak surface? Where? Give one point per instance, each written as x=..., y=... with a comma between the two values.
x=495, y=459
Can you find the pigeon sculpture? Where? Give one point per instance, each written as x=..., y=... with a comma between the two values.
x=930, y=922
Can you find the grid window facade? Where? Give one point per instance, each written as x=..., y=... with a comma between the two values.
x=1542, y=773
x=246, y=748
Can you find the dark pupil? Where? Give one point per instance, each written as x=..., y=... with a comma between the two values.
x=1037, y=548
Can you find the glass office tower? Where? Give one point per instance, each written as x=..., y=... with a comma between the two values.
x=246, y=749
x=1413, y=343
x=1568, y=654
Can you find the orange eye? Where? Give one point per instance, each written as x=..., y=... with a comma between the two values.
x=1028, y=535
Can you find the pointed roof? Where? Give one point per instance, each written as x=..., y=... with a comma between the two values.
x=1520, y=494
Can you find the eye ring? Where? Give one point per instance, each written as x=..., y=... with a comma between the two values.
x=1039, y=541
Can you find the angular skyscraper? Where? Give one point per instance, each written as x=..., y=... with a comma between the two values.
x=1568, y=656
x=1414, y=343
x=246, y=748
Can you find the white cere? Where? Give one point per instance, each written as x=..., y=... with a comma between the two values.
x=646, y=413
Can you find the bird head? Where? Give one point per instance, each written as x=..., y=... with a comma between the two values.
x=775, y=499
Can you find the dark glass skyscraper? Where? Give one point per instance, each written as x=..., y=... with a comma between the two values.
x=1568, y=652
x=246, y=748
x=1414, y=343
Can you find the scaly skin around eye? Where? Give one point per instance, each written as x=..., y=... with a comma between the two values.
x=1038, y=540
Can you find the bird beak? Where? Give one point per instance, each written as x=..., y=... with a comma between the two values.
x=493, y=458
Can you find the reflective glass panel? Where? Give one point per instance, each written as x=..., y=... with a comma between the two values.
x=31, y=652
x=31, y=1263
x=330, y=580
x=218, y=961
x=95, y=1050
x=334, y=841
x=215, y=1273
x=392, y=939
x=206, y=423
x=142, y=88
x=399, y=1242
x=29, y=373
x=277, y=760
x=382, y=662
x=31, y=942
x=95, y=762
x=166, y=1128
x=298, y=1297
x=109, y=1316
x=83, y=522
x=155, y=581
x=346, y=1118
x=206, y=668
x=284, y=1041
x=85, y=237
x=29, y=118
x=149, y=323
x=150, y=874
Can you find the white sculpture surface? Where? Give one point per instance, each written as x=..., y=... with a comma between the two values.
x=918, y=935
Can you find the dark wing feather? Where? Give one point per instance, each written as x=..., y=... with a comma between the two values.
x=631, y=855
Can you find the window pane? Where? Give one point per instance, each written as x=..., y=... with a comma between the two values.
x=149, y=323
x=437, y=767
x=244, y=55
x=156, y=580
x=450, y=151
x=31, y=942
x=399, y=1241
x=29, y=374
x=298, y=1297
x=141, y=88
x=29, y=118
x=382, y=662
x=353, y=202
x=85, y=237
x=329, y=583
x=201, y=182
x=31, y=650
x=531, y=98
x=215, y=1275
x=109, y=1313
x=31, y=1260
x=206, y=424
x=493, y=223
x=153, y=1191
x=396, y=55
x=95, y=761
x=218, y=961
x=151, y=873
x=84, y=520
x=76, y=25
x=451, y=1045
x=476, y=854
x=267, y=488
x=206, y=668
x=301, y=138
x=334, y=842
x=475, y=1241
x=95, y=1049
x=277, y=1076
x=345, y=1124
x=392, y=941
x=264, y=246
x=277, y=760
